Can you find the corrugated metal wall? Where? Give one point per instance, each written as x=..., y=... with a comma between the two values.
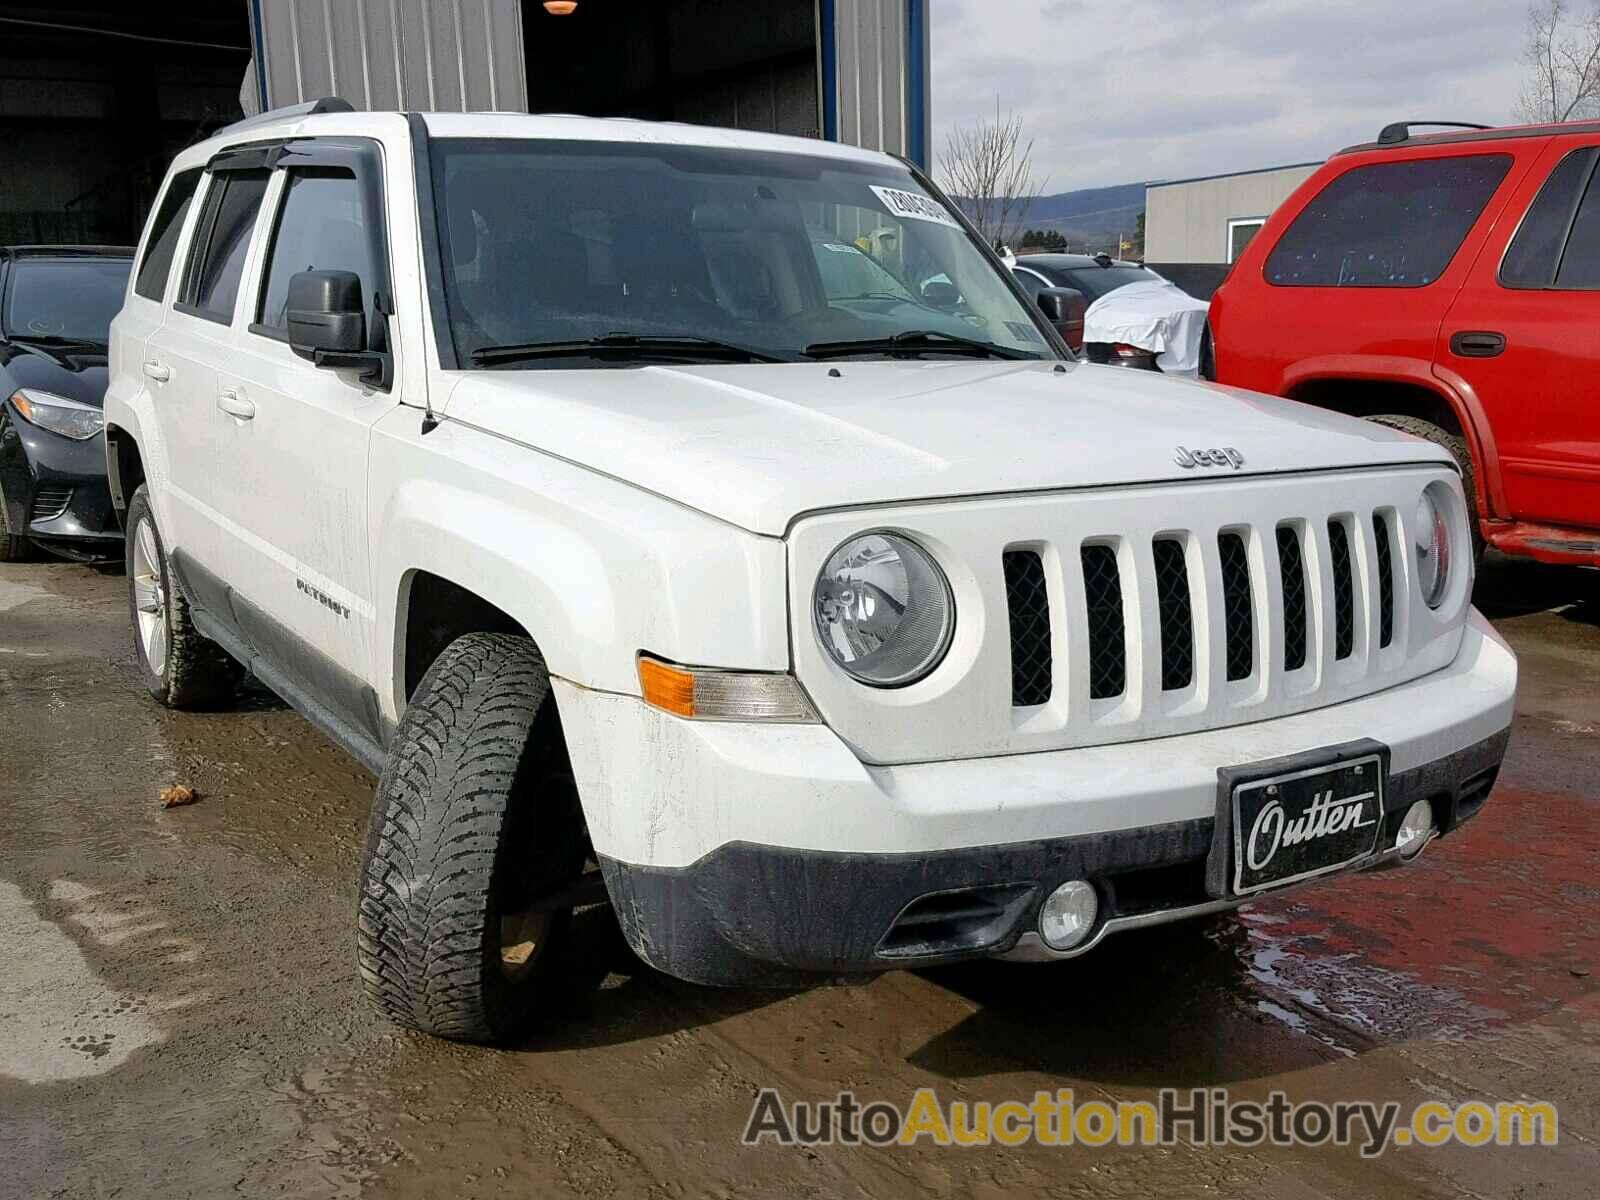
x=468, y=55
x=421, y=55
x=871, y=65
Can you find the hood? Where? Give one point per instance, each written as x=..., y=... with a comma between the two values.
x=77, y=372
x=757, y=445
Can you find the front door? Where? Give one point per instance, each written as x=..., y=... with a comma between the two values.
x=293, y=442
x=1525, y=335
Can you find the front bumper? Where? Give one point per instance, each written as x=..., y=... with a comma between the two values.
x=768, y=854
x=57, y=492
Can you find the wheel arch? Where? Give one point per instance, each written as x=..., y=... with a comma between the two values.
x=1407, y=389
x=125, y=469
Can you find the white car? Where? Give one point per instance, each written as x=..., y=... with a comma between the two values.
x=533, y=461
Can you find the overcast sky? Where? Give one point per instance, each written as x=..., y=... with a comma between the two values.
x=1123, y=91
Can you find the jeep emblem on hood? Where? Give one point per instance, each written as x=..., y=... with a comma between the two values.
x=1220, y=457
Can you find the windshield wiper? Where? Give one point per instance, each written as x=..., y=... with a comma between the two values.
x=627, y=345
x=56, y=339
x=913, y=341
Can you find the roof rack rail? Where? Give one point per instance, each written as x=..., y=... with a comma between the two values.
x=1400, y=131
x=328, y=104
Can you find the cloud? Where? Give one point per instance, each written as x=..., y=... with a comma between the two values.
x=1164, y=89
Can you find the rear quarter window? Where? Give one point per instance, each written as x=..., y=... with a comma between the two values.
x=1388, y=224
x=164, y=230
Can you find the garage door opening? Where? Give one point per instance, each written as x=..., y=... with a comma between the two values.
x=747, y=64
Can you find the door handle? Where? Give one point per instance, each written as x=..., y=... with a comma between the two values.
x=235, y=405
x=1477, y=343
x=156, y=371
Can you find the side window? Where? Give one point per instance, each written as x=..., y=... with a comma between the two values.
x=1387, y=225
x=1535, y=251
x=164, y=230
x=321, y=226
x=221, y=241
x=1580, y=261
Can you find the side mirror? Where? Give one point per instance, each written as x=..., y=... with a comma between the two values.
x=941, y=294
x=1061, y=305
x=1064, y=308
x=327, y=317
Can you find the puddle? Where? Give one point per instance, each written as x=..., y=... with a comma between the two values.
x=62, y=1021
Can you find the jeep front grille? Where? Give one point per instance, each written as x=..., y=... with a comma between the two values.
x=1101, y=633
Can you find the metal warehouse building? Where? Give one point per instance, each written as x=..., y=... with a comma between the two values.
x=96, y=97
x=1212, y=218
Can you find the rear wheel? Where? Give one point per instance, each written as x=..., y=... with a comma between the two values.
x=181, y=667
x=1457, y=446
x=475, y=846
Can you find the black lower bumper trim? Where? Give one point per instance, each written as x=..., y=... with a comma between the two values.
x=748, y=914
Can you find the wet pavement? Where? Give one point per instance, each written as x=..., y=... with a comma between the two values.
x=180, y=1013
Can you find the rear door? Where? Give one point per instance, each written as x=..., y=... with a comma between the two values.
x=180, y=366
x=294, y=439
x=132, y=369
x=1524, y=335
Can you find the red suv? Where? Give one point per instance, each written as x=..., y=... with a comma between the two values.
x=1448, y=285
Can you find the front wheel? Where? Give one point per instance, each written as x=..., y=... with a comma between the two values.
x=181, y=666
x=476, y=834
x=1457, y=446
x=13, y=546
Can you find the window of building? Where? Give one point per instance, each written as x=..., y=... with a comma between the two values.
x=1240, y=231
x=1387, y=224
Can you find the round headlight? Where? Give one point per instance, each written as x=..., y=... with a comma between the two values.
x=883, y=609
x=1432, y=537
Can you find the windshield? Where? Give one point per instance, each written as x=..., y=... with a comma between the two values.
x=558, y=242
x=66, y=299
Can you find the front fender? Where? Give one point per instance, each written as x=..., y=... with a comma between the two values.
x=594, y=569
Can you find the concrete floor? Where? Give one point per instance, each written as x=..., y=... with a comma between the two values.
x=180, y=1013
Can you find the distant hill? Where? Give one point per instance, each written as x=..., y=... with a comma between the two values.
x=1089, y=218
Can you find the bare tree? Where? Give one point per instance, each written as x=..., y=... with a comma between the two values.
x=988, y=169
x=1562, y=58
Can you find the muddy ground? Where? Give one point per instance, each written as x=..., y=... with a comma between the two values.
x=180, y=1013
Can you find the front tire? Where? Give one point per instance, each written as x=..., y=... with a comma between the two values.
x=181, y=666
x=1457, y=446
x=13, y=546
x=476, y=819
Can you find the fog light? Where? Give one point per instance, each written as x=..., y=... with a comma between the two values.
x=1067, y=914
x=1414, y=830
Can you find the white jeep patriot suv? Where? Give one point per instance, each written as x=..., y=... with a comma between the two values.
x=706, y=521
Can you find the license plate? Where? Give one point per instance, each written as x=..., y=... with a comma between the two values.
x=1305, y=823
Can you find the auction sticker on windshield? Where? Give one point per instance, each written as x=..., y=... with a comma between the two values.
x=914, y=206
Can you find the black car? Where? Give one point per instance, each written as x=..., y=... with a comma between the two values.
x=1092, y=274
x=56, y=306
